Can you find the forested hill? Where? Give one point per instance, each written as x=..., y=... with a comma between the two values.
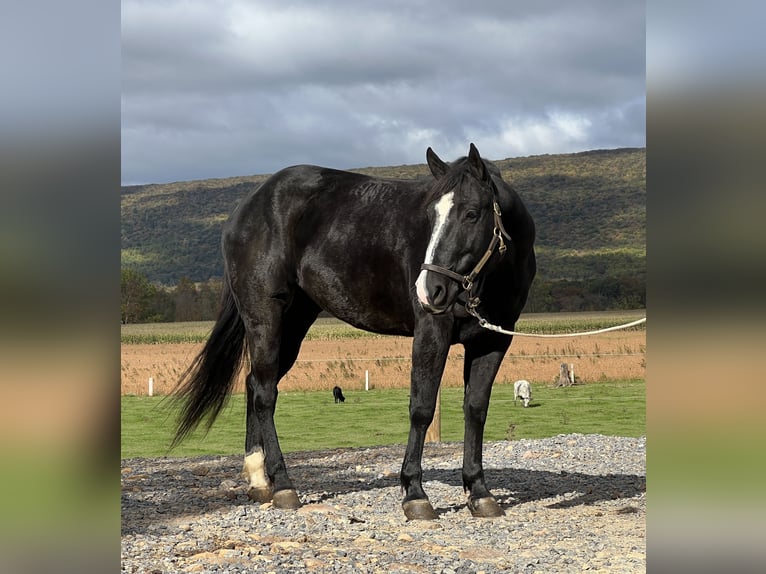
x=589, y=209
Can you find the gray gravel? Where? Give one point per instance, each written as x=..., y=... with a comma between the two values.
x=573, y=503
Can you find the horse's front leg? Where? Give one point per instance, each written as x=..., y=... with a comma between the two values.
x=429, y=355
x=482, y=361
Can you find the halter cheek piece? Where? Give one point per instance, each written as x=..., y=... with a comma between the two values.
x=498, y=233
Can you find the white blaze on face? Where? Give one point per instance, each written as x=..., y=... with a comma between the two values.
x=442, y=207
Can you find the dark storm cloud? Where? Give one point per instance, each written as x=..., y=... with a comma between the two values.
x=215, y=89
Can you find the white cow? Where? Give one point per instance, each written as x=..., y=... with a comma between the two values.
x=521, y=390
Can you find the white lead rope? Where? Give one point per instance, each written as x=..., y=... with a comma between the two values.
x=484, y=323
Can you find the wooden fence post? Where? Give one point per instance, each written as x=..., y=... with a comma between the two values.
x=566, y=375
x=563, y=376
x=434, y=432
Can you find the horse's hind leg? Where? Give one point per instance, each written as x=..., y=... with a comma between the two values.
x=254, y=469
x=264, y=465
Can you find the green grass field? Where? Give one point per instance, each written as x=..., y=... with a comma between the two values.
x=311, y=420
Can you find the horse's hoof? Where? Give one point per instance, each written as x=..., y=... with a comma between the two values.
x=419, y=509
x=286, y=499
x=259, y=494
x=486, y=507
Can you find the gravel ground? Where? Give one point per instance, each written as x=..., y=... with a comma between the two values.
x=573, y=503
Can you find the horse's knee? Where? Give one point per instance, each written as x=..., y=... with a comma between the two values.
x=421, y=415
x=476, y=413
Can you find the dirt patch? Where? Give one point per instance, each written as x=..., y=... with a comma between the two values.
x=323, y=364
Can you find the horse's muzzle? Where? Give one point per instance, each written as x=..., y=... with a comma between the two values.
x=436, y=293
x=433, y=310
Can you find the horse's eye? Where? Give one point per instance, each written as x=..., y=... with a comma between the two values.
x=471, y=215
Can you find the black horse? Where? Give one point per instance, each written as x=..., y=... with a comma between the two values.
x=401, y=257
x=337, y=394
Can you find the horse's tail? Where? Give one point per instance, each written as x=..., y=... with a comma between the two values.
x=205, y=386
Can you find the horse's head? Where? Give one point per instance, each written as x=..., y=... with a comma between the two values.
x=465, y=229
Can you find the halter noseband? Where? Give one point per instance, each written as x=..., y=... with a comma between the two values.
x=467, y=280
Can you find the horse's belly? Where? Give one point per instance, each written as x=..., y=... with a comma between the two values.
x=376, y=322
x=376, y=304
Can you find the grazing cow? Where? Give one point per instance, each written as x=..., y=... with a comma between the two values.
x=338, y=394
x=521, y=390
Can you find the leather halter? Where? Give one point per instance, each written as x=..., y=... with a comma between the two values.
x=498, y=233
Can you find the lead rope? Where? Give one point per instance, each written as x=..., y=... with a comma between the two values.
x=473, y=301
x=471, y=308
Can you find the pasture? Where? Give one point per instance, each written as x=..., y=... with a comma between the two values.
x=336, y=353
x=310, y=420
x=609, y=399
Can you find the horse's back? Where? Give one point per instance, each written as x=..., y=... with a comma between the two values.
x=346, y=239
x=304, y=194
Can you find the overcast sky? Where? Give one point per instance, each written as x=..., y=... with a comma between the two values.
x=219, y=89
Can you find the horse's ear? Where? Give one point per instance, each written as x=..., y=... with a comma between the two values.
x=435, y=164
x=477, y=163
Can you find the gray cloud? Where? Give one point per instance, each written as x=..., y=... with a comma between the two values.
x=216, y=89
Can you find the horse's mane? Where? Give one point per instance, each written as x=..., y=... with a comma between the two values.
x=452, y=179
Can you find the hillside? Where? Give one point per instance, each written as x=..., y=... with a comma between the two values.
x=589, y=208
